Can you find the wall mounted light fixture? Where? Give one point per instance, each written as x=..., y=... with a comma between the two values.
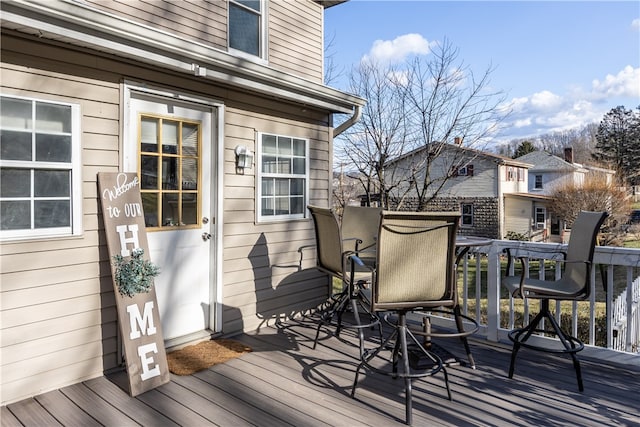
x=244, y=158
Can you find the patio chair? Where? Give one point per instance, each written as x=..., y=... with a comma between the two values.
x=333, y=260
x=573, y=285
x=360, y=229
x=415, y=270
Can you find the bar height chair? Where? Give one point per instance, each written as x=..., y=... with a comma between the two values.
x=415, y=269
x=574, y=285
x=334, y=260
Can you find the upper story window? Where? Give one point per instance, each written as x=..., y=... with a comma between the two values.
x=521, y=174
x=466, y=170
x=40, y=177
x=538, y=182
x=511, y=173
x=283, y=177
x=246, y=27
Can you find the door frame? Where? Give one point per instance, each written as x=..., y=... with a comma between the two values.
x=217, y=163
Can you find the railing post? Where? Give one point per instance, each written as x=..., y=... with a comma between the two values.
x=493, y=292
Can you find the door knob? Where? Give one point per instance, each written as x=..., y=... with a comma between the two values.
x=206, y=236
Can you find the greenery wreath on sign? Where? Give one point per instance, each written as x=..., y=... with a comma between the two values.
x=134, y=275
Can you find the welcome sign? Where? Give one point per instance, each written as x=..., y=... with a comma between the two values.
x=138, y=315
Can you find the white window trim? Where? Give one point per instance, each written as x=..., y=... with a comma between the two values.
x=262, y=58
x=259, y=175
x=75, y=228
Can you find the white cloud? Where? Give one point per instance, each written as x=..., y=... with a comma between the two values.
x=635, y=24
x=545, y=100
x=396, y=50
x=626, y=83
x=546, y=112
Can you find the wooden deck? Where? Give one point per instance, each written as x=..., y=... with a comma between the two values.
x=284, y=382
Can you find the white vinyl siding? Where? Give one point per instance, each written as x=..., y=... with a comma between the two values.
x=40, y=168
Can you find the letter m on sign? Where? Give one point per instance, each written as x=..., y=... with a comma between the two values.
x=141, y=324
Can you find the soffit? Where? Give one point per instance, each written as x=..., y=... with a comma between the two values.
x=80, y=25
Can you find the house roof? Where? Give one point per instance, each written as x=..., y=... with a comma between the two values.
x=82, y=25
x=329, y=3
x=545, y=162
x=496, y=158
x=529, y=196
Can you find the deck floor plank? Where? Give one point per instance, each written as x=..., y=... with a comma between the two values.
x=285, y=382
x=141, y=413
x=64, y=410
x=98, y=408
x=32, y=413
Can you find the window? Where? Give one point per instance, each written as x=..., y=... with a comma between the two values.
x=467, y=215
x=283, y=176
x=521, y=174
x=541, y=218
x=40, y=176
x=466, y=170
x=246, y=27
x=169, y=172
x=510, y=174
x=538, y=182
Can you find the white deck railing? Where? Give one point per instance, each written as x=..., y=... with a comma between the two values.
x=485, y=306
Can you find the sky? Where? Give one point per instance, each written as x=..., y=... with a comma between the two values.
x=561, y=65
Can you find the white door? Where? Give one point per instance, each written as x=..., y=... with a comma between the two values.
x=170, y=146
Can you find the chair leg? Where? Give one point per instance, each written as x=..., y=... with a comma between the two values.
x=460, y=325
x=571, y=345
x=336, y=308
x=402, y=334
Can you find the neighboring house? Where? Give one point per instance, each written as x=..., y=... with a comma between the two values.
x=548, y=173
x=476, y=184
x=168, y=90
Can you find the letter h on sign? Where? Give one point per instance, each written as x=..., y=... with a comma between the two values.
x=122, y=229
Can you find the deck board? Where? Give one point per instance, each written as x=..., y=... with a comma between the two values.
x=284, y=382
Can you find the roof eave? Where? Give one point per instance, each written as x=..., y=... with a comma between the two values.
x=84, y=26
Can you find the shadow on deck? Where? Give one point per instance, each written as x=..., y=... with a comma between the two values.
x=284, y=382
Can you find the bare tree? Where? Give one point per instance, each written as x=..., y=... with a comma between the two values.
x=414, y=113
x=595, y=194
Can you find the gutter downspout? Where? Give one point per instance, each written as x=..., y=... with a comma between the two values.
x=357, y=113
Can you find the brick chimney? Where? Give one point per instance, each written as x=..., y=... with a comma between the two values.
x=457, y=140
x=568, y=155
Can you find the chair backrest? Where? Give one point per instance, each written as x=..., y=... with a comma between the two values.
x=328, y=240
x=415, y=264
x=360, y=222
x=582, y=242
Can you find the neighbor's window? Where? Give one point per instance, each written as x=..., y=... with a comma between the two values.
x=541, y=218
x=467, y=215
x=538, y=182
x=40, y=176
x=283, y=176
x=246, y=27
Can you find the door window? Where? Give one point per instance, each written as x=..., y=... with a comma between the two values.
x=170, y=171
